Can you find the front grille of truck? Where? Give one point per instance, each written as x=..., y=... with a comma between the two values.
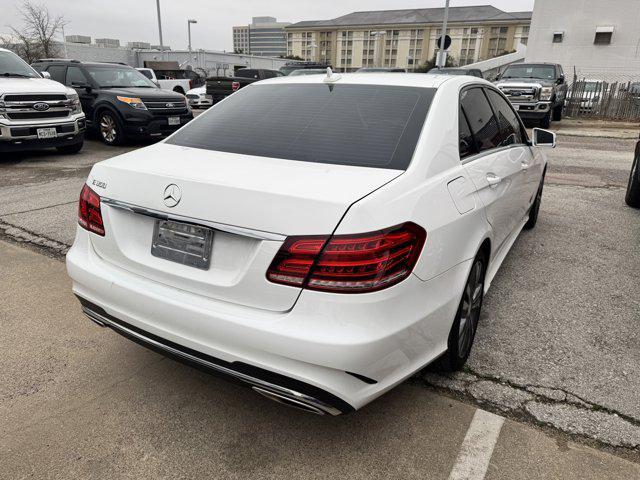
x=520, y=94
x=38, y=115
x=35, y=106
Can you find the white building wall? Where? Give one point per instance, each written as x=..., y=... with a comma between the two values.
x=578, y=19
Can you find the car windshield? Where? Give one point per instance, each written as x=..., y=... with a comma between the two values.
x=11, y=65
x=530, y=71
x=361, y=125
x=110, y=76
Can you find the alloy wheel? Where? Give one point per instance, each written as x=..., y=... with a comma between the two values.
x=470, y=309
x=108, y=128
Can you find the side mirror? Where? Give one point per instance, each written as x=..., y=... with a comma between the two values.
x=46, y=75
x=561, y=80
x=496, y=78
x=543, y=138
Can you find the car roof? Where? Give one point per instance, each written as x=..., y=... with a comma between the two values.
x=383, y=78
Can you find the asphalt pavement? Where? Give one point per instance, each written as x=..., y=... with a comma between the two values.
x=558, y=349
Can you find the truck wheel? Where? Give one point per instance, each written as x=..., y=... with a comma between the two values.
x=633, y=189
x=70, y=149
x=545, y=122
x=557, y=113
x=109, y=128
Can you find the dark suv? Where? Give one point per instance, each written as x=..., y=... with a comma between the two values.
x=118, y=101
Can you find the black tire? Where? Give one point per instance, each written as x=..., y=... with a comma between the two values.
x=535, y=208
x=110, y=130
x=463, y=330
x=633, y=189
x=545, y=122
x=557, y=113
x=70, y=149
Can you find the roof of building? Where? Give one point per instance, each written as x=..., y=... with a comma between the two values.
x=480, y=13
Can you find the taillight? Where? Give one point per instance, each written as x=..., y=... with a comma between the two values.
x=235, y=86
x=349, y=263
x=89, y=214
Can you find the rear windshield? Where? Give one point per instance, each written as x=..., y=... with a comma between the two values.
x=361, y=125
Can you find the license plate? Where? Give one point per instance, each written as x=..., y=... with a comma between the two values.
x=174, y=120
x=47, y=133
x=516, y=107
x=182, y=243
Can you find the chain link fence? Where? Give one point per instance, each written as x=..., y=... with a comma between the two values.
x=612, y=94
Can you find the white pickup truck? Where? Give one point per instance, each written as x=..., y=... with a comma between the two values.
x=179, y=85
x=36, y=112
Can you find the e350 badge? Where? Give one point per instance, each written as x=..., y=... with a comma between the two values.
x=99, y=184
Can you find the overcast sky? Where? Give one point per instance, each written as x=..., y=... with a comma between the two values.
x=135, y=20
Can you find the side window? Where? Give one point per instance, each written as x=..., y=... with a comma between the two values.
x=465, y=138
x=483, y=124
x=507, y=119
x=75, y=77
x=57, y=72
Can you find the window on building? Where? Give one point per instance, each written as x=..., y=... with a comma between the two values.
x=558, y=37
x=603, y=35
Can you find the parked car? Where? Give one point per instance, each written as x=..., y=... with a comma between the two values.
x=219, y=88
x=167, y=82
x=36, y=112
x=322, y=259
x=633, y=188
x=198, y=98
x=308, y=71
x=474, y=72
x=588, y=92
x=119, y=102
x=295, y=66
x=537, y=90
x=381, y=70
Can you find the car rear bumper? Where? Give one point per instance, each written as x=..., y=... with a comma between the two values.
x=335, y=352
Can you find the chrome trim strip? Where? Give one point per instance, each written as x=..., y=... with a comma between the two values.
x=310, y=403
x=244, y=232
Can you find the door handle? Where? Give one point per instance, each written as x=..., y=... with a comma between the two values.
x=493, y=179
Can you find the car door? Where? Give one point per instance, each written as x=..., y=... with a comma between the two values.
x=77, y=80
x=495, y=174
x=515, y=139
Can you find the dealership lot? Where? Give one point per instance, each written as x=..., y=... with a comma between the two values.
x=557, y=346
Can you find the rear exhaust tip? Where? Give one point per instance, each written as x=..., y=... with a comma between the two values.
x=296, y=403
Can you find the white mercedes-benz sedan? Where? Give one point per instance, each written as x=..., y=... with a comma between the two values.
x=320, y=238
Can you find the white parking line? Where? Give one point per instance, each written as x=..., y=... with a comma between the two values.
x=476, y=450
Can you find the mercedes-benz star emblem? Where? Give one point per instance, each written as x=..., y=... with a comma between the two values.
x=172, y=195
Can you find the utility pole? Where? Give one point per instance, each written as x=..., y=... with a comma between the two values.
x=160, y=30
x=64, y=43
x=189, y=22
x=442, y=55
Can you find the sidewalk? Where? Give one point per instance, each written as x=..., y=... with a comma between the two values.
x=78, y=401
x=596, y=128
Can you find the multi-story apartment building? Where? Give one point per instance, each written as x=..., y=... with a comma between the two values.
x=407, y=38
x=264, y=37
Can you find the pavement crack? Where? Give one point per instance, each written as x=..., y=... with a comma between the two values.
x=38, y=209
x=41, y=243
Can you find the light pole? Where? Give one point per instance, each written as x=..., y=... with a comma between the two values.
x=442, y=55
x=160, y=29
x=189, y=22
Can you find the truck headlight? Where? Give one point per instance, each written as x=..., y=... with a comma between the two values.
x=76, y=107
x=545, y=93
x=133, y=102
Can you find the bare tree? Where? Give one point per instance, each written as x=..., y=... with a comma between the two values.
x=36, y=39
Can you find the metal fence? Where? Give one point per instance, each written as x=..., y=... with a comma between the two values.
x=604, y=100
